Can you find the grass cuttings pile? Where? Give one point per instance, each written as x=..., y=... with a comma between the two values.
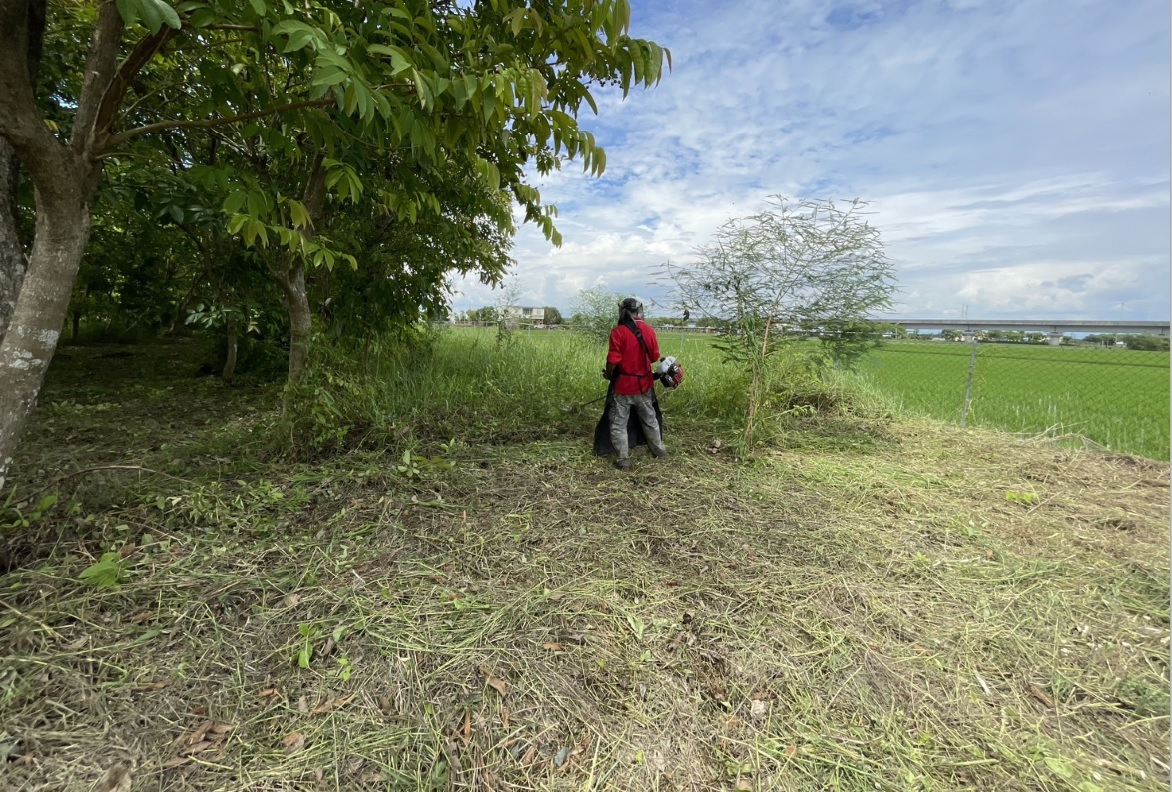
x=929, y=610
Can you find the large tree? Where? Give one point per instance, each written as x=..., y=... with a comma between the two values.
x=497, y=82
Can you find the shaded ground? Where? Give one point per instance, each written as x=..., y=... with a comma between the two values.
x=881, y=605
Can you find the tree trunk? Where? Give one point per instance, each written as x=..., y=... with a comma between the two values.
x=65, y=179
x=35, y=327
x=12, y=260
x=300, y=318
x=12, y=263
x=292, y=280
x=229, y=372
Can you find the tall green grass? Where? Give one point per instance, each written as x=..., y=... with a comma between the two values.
x=1117, y=398
x=470, y=383
x=474, y=384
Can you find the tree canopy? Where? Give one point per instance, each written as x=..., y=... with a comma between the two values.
x=284, y=131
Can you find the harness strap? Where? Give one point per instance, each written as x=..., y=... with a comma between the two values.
x=633, y=326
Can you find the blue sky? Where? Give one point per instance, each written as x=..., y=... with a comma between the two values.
x=1016, y=154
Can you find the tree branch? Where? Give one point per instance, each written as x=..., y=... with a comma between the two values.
x=146, y=49
x=209, y=123
x=100, y=74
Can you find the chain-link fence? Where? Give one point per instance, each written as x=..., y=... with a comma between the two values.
x=1113, y=396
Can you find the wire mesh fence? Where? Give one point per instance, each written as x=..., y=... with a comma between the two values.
x=1115, y=397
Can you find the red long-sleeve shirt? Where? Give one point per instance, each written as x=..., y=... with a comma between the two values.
x=634, y=364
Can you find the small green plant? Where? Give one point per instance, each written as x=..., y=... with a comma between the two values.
x=13, y=518
x=344, y=669
x=415, y=466
x=1021, y=497
x=304, y=653
x=412, y=465
x=106, y=573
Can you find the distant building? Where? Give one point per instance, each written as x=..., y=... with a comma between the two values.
x=525, y=314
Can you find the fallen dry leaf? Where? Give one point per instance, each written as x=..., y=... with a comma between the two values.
x=175, y=761
x=73, y=646
x=331, y=704
x=744, y=785
x=270, y=692
x=1040, y=695
x=791, y=750
x=199, y=747
x=198, y=734
x=527, y=759
x=126, y=550
x=220, y=729
x=116, y=779
x=152, y=687
x=303, y=706
x=494, y=682
x=505, y=717
x=145, y=616
x=293, y=742
x=202, y=709
x=758, y=709
x=551, y=646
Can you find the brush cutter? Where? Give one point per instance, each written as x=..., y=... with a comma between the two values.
x=567, y=408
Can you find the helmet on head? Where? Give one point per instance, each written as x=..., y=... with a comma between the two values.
x=630, y=306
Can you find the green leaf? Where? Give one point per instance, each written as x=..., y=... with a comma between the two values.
x=298, y=39
x=299, y=214
x=328, y=77
x=1059, y=767
x=105, y=573
x=168, y=14
x=399, y=60
x=44, y=504
x=258, y=6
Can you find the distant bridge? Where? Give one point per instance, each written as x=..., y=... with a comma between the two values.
x=1052, y=327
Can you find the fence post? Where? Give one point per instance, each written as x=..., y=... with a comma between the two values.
x=968, y=385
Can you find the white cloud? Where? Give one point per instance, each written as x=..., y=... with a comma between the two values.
x=1004, y=145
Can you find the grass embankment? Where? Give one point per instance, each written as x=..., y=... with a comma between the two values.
x=869, y=605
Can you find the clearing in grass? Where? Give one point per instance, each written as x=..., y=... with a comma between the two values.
x=869, y=604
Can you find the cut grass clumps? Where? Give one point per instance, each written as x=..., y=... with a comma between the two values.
x=854, y=618
x=865, y=605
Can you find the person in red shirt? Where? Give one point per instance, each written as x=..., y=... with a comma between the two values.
x=629, y=363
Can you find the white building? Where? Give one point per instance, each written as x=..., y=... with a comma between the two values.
x=525, y=314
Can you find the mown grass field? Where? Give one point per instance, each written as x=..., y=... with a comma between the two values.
x=1117, y=398
x=871, y=603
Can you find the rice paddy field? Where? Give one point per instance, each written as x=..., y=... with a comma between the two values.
x=1116, y=398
